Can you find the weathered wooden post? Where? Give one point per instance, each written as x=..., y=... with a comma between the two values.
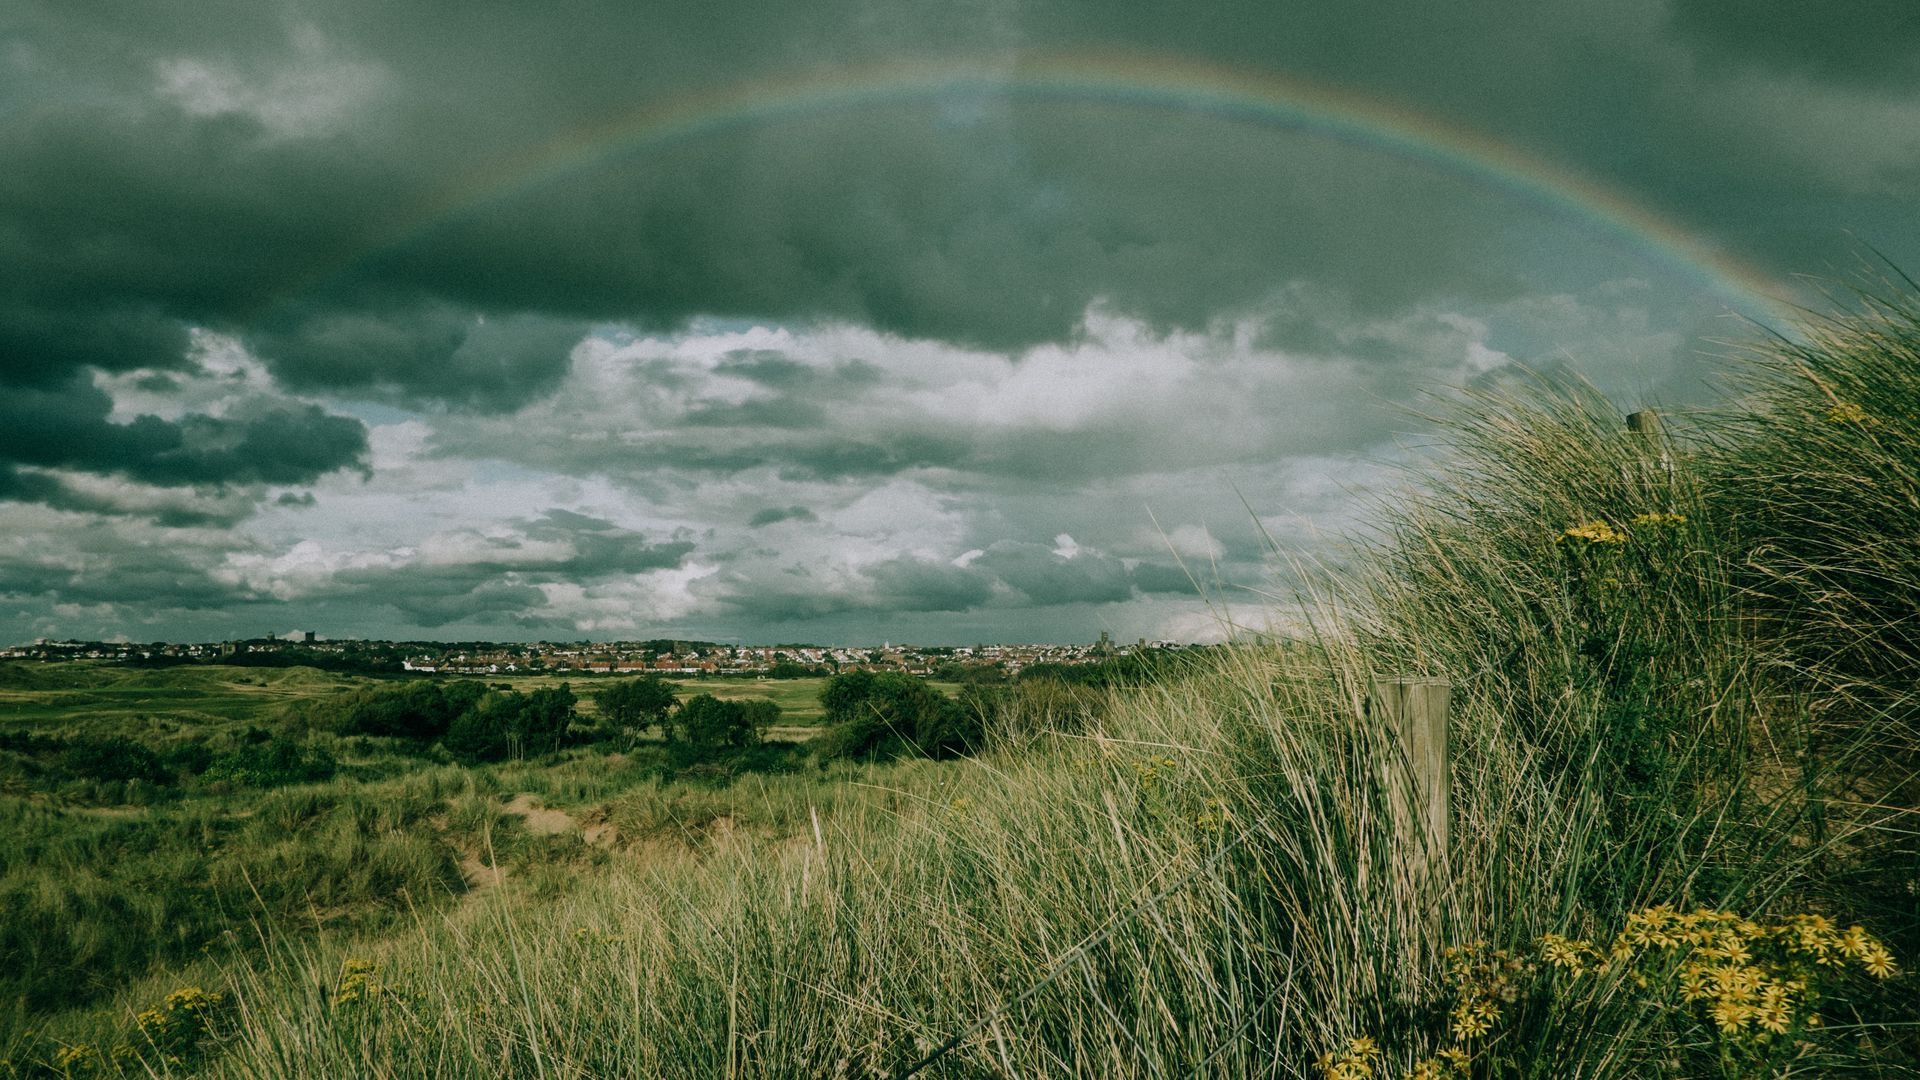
x=1420, y=781
x=1645, y=422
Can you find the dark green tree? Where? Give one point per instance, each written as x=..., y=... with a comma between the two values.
x=889, y=714
x=508, y=724
x=707, y=728
x=630, y=706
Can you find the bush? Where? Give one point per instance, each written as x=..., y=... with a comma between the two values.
x=884, y=715
x=272, y=763
x=707, y=728
x=113, y=758
x=632, y=705
x=510, y=725
x=421, y=710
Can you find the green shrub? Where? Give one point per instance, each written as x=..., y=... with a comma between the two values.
x=422, y=710
x=272, y=763
x=630, y=706
x=876, y=716
x=706, y=729
x=113, y=758
x=507, y=724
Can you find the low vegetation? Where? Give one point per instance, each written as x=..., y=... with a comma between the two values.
x=1682, y=825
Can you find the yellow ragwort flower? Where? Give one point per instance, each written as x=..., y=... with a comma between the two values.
x=1594, y=533
x=1879, y=962
x=1658, y=521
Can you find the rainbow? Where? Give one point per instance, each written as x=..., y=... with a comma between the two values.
x=1122, y=80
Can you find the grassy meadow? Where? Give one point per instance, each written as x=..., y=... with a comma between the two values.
x=1685, y=825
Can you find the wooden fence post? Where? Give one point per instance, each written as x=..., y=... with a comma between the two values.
x=1421, y=784
x=1645, y=422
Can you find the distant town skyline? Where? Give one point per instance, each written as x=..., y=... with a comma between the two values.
x=661, y=657
x=991, y=320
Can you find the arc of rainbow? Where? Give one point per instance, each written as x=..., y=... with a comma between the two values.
x=1127, y=80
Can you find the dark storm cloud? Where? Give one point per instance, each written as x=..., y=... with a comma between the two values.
x=900, y=585
x=771, y=368
x=909, y=584
x=67, y=426
x=782, y=412
x=158, y=569
x=433, y=354
x=468, y=578
x=600, y=547
x=1047, y=577
x=1151, y=577
x=395, y=205
x=283, y=173
x=433, y=600
x=773, y=515
x=1009, y=574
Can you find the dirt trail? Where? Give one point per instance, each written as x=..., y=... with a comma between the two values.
x=540, y=820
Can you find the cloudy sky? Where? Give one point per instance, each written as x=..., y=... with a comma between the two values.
x=850, y=320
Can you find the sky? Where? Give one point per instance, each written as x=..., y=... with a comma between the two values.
x=844, y=321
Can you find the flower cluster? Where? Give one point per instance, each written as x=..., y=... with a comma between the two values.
x=359, y=981
x=1354, y=1061
x=1212, y=815
x=1148, y=770
x=1657, y=521
x=79, y=1060
x=1592, y=534
x=1752, y=983
x=1484, y=981
x=1846, y=412
x=360, y=985
x=1448, y=1064
x=175, y=1030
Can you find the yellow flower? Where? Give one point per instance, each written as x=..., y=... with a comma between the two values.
x=1594, y=533
x=1730, y=1015
x=1879, y=962
x=1846, y=412
x=1470, y=1023
x=1564, y=953
x=1658, y=521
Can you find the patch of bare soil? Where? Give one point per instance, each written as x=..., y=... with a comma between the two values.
x=540, y=820
x=479, y=874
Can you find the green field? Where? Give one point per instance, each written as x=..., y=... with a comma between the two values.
x=114, y=699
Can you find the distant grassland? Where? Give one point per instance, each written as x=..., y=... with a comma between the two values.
x=88, y=697
x=103, y=698
x=124, y=848
x=159, y=863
